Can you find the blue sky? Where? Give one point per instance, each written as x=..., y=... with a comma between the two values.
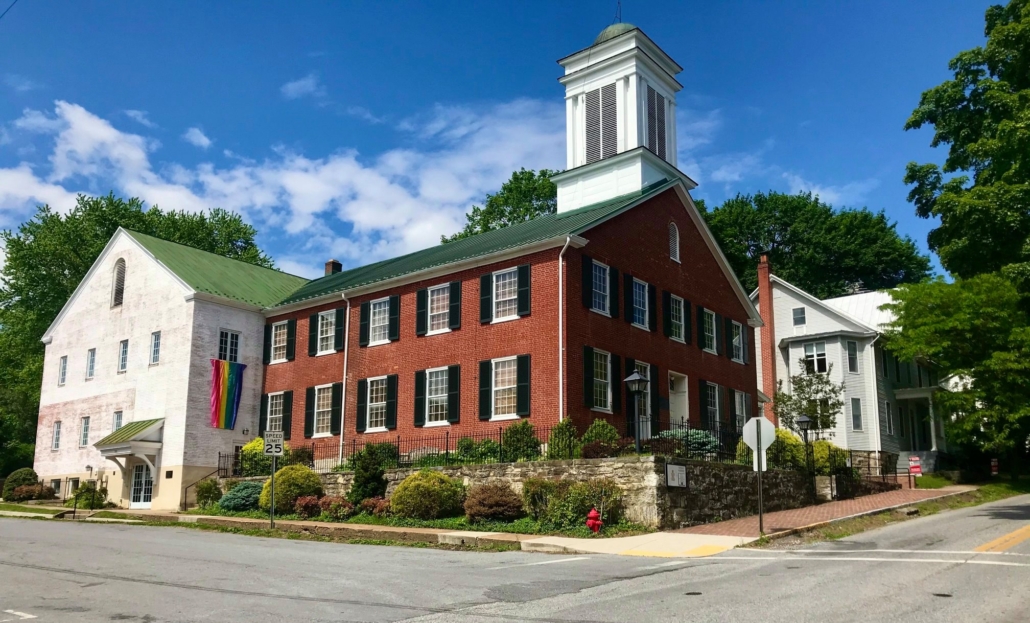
x=364, y=130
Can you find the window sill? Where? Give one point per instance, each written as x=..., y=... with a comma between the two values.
x=710, y=351
x=437, y=332
x=436, y=424
x=277, y=361
x=678, y=339
x=378, y=429
x=504, y=418
x=88, y=379
x=505, y=319
x=601, y=312
x=154, y=364
x=740, y=361
x=122, y=371
x=319, y=435
x=602, y=410
x=641, y=327
x=378, y=343
x=325, y=352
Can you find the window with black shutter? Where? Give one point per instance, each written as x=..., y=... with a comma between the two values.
x=312, y=335
x=420, y=398
x=391, y=402
x=522, y=385
x=395, y=318
x=361, y=417
x=287, y=413
x=291, y=339
x=453, y=394
x=524, y=290
x=341, y=323
x=336, y=415
x=422, y=311
x=486, y=298
x=486, y=372
x=363, y=326
x=454, y=302
x=267, y=353
x=309, y=412
x=263, y=416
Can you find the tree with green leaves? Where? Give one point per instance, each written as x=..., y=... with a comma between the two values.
x=823, y=251
x=47, y=257
x=811, y=394
x=527, y=195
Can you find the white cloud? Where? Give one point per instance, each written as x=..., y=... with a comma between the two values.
x=309, y=85
x=20, y=84
x=731, y=168
x=837, y=196
x=196, y=136
x=140, y=117
x=695, y=128
x=21, y=189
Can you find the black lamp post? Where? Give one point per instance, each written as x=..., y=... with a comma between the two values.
x=636, y=385
x=804, y=424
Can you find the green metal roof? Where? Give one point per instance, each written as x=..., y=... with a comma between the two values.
x=221, y=276
x=613, y=31
x=128, y=433
x=511, y=237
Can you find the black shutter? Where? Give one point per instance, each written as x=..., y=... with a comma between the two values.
x=613, y=292
x=263, y=416
x=727, y=405
x=291, y=339
x=361, y=419
x=656, y=402
x=454, y=311
x=652, y=307
x=363, y=324
x=267, y=356
x=422, y=312
x=420, y=398
x=341, y=324
x=486, y=369
x=336, y=415
x=688, y=326
x=729, y=337
x=587, y=284
x=588, y=376
x=522, y=376
x=453, y=393
x=312, y=335
x=702, y=400
x=391, y=402
x=627, y=294
x=700, y=327
x=309, y=412
x=616, y=383
x=524, y=289
x=720, y=330
x=287, y=413
x=631, y=367
x=395, y=317
x=667, y=313
x=486, y=298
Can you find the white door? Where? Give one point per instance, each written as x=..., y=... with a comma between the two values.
x=678, y=405
x=142, y=487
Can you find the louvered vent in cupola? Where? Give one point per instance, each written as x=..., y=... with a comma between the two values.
x=656, y=122
x=602, y=125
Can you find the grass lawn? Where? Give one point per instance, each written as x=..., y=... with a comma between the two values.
x=932, y=481
x=39, y=510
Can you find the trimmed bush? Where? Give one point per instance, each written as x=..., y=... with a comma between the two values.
x=32, y=492
x=307, y=507
x=231, y=484
x=495, y=501
x=245, y=496
x=379, y=507
x=208, y=492
x=786, y=452
x=695, y=440
x=570, y=503
x=536, y=493
x=335, y=508
x=606, y=449
x=25, y=476
x=474, y=452
x=427, y=494
x=253, y=461
x=519, y=443
x=88, y=496
x=291, y=482
x=602, y=431
x=369, y=476
x=562, y=443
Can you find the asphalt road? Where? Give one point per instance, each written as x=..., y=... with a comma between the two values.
x=922, y=570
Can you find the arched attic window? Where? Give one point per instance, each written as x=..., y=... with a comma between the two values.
x=674, y=242
x=118, y=283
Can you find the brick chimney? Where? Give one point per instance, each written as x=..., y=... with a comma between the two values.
x=768, y=333
x=332, y=266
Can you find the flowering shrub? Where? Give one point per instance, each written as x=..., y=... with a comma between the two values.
x=335, y=508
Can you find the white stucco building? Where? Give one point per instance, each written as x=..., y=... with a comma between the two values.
x=127, y=373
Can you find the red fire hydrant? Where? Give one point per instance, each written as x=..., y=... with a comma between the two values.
x=594, y=520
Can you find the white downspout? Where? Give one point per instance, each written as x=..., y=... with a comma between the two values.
x=875, y=406
x=561, y=325
x=343, y=407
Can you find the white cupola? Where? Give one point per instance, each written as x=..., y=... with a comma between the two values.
x=620, y=116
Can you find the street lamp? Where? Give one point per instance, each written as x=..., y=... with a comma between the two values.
x=804, y=423
x=636, y=385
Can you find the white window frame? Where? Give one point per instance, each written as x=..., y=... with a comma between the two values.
x=737, y=342
x=229, y=334
x=91, y=363
x=445, y=290
x=494, y=416
x=847, y=354
x=55, y=436
x=282, y=326
x=123, y=356
x=673, y=300
x=324, y=320
x=84, y=431
x=861, y=424
x=709, y=321
x=155, y=348
x=55, y=484
x=645, y=326
x=714, y=400
x=739, y=408
x=385, y=325
x=62, y=370
x=674, y=242
x=429, y=397
x=495, y=300
x=794, y=316
x=369, y=403
x=644, y=369
x=117, y=420
x=281, y=398
x=606, y=295
x=319, y=389
x=608, y=373
x=815, y=357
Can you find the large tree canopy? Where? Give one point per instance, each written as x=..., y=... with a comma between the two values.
x=527, y=195
x=821, y=250
x=47, y=257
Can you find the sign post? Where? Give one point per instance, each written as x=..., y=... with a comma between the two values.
x=915, y=467
x=274, y=449
x=994, y=467
x=759, y=434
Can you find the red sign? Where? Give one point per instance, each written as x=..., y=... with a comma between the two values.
x=914, y=466
x=994, y=467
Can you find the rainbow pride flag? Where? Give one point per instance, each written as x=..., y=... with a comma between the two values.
x=226, y=388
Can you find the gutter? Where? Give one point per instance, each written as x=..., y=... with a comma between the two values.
x=561, y=334
x=346, y=345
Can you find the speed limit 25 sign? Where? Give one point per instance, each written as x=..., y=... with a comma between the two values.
x=273, y=444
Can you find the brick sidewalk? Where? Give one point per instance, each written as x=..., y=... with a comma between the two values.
x=800, y=517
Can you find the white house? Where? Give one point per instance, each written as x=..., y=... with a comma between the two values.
x=888, y=402
x=126, y=388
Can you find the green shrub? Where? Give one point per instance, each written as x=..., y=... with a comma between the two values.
x=786, y=452
x=427, y=494
x=208, y=492
x=536, y=493
x=472, y=452
x=821, y=455
x=562, y=443
x=569, y=504
x=369, y=476
x=88, y=496
x=519, y=443
x=245, y=496
x=494, y=501
x=695, y=440
x=291, y=482
x=602, y=431
x=231, y=484
x=19, y=478
x=253, y=461
x=335, y=508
